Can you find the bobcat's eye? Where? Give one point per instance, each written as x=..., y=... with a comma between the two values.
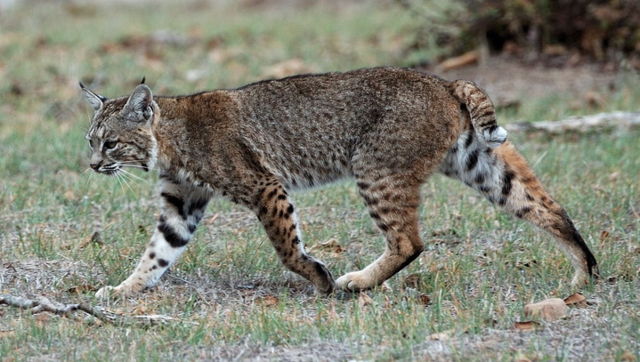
x=110, y=144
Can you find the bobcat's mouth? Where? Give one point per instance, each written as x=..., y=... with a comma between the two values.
x=109, y=170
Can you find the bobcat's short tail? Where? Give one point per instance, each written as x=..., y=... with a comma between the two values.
x=481, y=111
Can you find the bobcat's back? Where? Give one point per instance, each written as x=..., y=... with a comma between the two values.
x=313, y=129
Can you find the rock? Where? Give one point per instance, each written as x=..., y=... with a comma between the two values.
x=549, y=309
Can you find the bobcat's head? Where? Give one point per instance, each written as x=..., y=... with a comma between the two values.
x=121, y=134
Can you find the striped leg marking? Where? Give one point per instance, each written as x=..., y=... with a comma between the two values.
x=182, y=208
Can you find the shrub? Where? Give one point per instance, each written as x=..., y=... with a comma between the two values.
x=602, y=30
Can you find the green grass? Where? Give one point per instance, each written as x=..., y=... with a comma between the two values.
x=479, y=268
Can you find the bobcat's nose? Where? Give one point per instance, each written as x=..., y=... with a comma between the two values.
x=96, y=165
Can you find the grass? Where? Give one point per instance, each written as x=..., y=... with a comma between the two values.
x=231, y=296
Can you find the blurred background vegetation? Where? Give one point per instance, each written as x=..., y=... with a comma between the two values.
x=560, y=31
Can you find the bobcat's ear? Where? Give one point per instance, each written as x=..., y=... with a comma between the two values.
x=139, y=107
x=94, y=99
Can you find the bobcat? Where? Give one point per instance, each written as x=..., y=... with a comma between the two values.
x=389, y=128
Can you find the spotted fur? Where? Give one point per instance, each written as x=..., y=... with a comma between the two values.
x=387, y=128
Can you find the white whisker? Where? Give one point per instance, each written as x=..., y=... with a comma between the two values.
x=133, y=176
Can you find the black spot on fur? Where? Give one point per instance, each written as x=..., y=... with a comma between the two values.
x=506, y=182
x=176, y=202
x=295, y=240
x=192, y=228
x=374, y=215
x=469, y=140
x=272, y=194
x=525, y=210
x=485, y=189
x=162, y=263
x=282, y=197
x=363, y=185
x=290, y=209
x=152, y=255
x=480, y=178
x=171, y=236
x=472, y=161
x=197, y=204
x=529, y=197
x=370, y=201
x=383, y=227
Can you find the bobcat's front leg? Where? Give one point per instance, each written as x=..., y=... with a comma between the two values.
x=182, y=208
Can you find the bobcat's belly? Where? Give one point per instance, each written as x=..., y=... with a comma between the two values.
x=312, y=172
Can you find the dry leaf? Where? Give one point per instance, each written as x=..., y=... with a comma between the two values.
x=614, y=176
x=69, y=195
x=527, y=326
x=594, y=99
x=140, y=310
x=8, y=333
x=424, y=299
x=412, y=281
x=81, y=289
x=604, y=234
x=441, y=336
x=364, y=299
x=42, y=318
x=95, y=238
x=576, y=300
x=330, y=245
x=267, y=300
x=628, y=357
x=521, y=358
x=549, y=309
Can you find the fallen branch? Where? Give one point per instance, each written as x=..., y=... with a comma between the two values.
x=580, y=124
x=43, y=304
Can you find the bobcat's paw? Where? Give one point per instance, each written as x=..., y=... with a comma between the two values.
x=355, y=281
x=106, y=292
x=115, y=292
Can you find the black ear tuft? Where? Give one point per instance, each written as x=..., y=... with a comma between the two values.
x=143, y=79
x=94, y=99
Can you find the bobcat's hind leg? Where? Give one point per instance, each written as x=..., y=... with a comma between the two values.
x=278, y=216
x=393, y=204
x=504, y=178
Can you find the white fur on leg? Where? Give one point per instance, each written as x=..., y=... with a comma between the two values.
x=496, y=137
